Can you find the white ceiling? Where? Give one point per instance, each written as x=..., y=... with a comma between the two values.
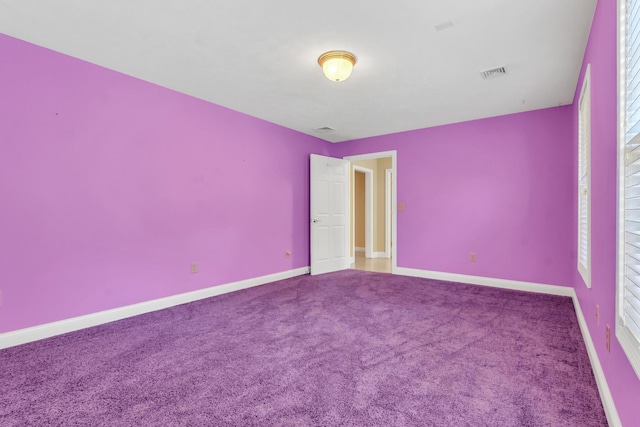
x=259, y=57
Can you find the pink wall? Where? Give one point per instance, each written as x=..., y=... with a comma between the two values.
x=601, y=54
x=112, y=186
x=498, y=187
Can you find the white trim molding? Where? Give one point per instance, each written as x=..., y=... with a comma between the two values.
x=605, y=394
x=388, y=211
x=373, y=254
x=601, y=380
x=394, y=195
x=35, y=333
x=368, y=208
x=39, y=332
x=487, y=281
x=583, y=242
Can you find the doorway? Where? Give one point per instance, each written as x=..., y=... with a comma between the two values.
x=373, y=212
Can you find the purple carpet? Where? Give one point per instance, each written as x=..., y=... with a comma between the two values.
x=349, y=348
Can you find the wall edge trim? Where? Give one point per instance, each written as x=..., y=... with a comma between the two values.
x=601, y=380
x=47, y=330
x=487, y=281
x=603, y=387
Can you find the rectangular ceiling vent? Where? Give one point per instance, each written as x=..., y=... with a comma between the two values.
x=324, y=129
x=444, y=25
x=494, y=72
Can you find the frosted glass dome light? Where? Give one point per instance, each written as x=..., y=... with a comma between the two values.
x=337, y=64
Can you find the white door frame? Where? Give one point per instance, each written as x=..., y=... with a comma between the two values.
x=388, y=214
x=368, y=211
x=394, y=197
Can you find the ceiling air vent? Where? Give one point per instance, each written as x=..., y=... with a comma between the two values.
x=494, y=72
x=444, y=25
x=324, y=129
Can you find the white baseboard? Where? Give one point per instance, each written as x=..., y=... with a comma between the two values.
x=373, y=254
x=487, y=281
x=358, y=249
x=22, y=336
x=605, y=394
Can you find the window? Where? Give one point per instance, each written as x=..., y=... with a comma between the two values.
x=628, y=280
x=584, y=179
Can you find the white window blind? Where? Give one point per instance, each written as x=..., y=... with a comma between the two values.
x=628, y=290
x=584, y=179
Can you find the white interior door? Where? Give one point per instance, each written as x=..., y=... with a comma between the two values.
x=329, y=214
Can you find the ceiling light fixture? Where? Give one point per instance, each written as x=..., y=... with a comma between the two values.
x=337, y=64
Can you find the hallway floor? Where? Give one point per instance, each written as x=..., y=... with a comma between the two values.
x=379, y=265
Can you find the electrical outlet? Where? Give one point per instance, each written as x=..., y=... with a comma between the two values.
x=194, y=267
x=472, y=257
x=287, y=254
x=608, y=339
x=597, y=314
